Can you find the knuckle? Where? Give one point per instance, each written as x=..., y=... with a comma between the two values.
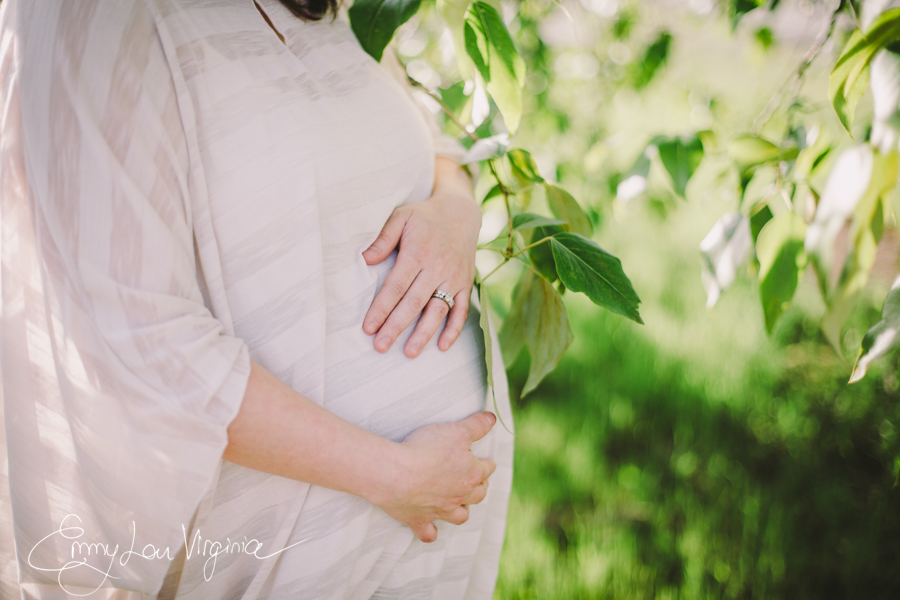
x=396, y=289
x=483, y=422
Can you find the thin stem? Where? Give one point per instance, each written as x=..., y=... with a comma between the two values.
x=796, y=80
x=531, y=245
x=445, y=108
x=505, y=260
x=505, y=192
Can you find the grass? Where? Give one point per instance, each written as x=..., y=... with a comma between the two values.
x=696, y=458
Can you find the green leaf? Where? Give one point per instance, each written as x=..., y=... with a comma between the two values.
x=882, y=338
x=749, y=151
x=652, y=61
x=485, y=323
x=680, y=157
x=585, y=267
x=849, y=79
x=523, y=166
x=491, y=48
x=709, y=140
x=759, y=216
x=487, y=148
x=764, y=37
x=723, y=251
x=781, y=262
x=851, y=72
x=541, y=256
x=812, y=156
x=493, y=192
x=738, y=8
x=529, y=220
x=565, y=207
x=847, y=184
x=865, y=233
x=453, y=12
x=375, y=21
x=454, y=97
x=537, y=320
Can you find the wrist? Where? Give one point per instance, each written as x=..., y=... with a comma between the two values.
x=448, y=174
x=387, y=476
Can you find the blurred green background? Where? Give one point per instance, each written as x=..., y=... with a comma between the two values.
x=694, y=456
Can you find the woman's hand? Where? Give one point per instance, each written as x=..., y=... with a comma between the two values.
x=438, y=476
x=437, y=240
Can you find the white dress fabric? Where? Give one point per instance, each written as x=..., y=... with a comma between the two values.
x=180, y=191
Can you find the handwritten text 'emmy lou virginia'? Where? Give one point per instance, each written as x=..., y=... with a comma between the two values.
x=197, y=547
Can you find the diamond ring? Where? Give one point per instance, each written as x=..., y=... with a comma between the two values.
x=444, y=296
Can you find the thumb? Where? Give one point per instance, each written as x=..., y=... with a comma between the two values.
x=387, y=240
x=427, y=533
x=479, y=424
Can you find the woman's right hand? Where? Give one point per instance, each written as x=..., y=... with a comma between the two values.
x=438, y=475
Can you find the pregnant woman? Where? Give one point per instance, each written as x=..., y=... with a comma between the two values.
x=225, y=371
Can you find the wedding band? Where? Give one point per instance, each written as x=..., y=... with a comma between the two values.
x=444, y=296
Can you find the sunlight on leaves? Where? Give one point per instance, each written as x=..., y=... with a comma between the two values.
x=494, y=53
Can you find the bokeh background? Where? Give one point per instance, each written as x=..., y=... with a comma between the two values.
x=694, y=456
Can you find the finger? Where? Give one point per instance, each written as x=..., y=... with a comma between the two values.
x=435, y=311
x=387, y=240
x=458, y=315
x=427, y=533
x=459, y=515
x=408, y=309
x=478, y=494
x=478, y=425
x=487, y=467
x=396, y=284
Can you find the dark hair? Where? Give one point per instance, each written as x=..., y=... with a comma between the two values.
x=312, y=10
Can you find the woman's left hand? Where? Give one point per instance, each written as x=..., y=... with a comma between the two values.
x=437, y=239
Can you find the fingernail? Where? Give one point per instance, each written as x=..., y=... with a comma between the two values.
x=414, y=349
x=369, y=251
x=382, y=344
x=493, y=418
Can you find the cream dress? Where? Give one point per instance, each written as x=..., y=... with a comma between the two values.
x=180, y=191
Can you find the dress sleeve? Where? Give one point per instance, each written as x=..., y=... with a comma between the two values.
x=444, y=145
x=119, y=382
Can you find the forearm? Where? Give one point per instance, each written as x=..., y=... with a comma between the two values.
x=279, y=431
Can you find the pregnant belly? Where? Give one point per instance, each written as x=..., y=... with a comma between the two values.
x=389, y=394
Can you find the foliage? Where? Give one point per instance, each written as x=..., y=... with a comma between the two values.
x=851, y=73
x=499, y=74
